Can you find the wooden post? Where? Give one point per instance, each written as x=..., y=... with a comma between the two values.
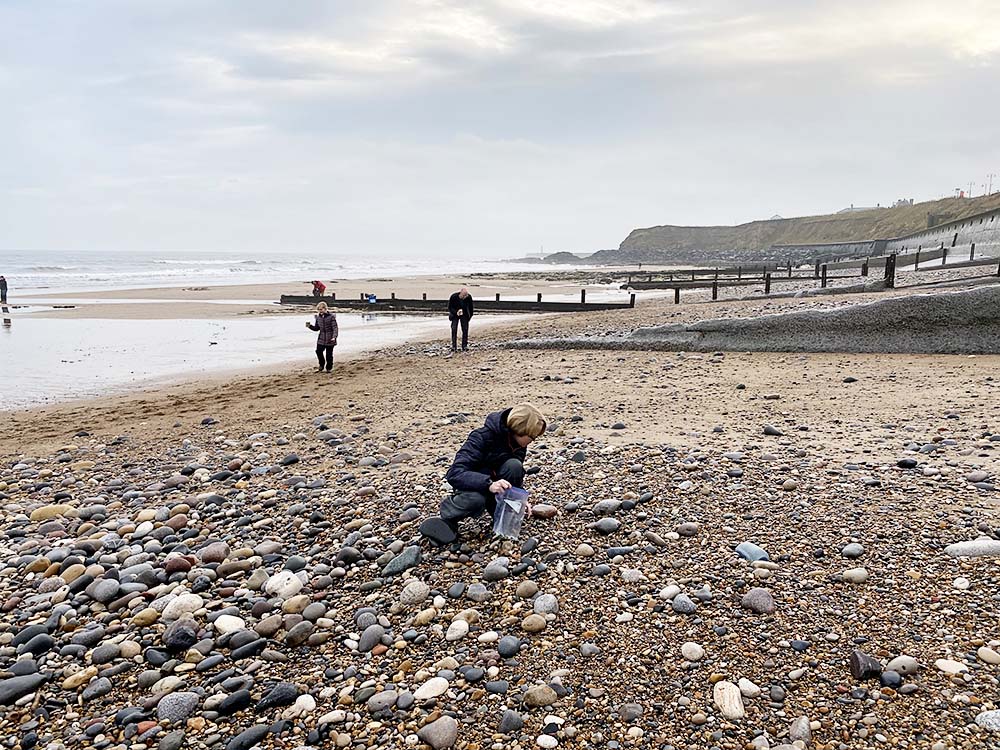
x=944, y=255
x=864, y=268
x=816, y=271
x=362, y=296
x=539, y=297
x=333, y=296
x=890, y=272
x=916, y=261
x=498, y=296
x=972, y=252
x=692, y=276
x=392, y=295
x=715, y=290
x=823, y=278
x=789, y=269
x=583, y=296
x=767, y=283
x=716, y=274
x=677, y=292
x=425, y=296
x=739, y=272
x=631, y=300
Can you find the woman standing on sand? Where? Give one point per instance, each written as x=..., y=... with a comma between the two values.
x=326, y=324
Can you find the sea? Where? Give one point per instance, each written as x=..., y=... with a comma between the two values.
x=48, y=361
x=53, y=271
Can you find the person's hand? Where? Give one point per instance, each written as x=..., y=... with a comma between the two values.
x=460, y=313
x=501, y=485
x=527, y=509
x=307, y=324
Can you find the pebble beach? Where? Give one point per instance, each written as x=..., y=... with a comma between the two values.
x=727, y=550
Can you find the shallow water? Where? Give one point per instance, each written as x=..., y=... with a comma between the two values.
x=47, y=360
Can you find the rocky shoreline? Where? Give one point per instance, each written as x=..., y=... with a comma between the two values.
x=734, y=551
x=227, y=595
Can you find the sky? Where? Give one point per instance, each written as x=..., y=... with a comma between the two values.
x=476, y=128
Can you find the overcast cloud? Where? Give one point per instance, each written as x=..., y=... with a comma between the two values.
x=485, y=128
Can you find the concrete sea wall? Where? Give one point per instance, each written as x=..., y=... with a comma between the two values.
x=957, y=236
x=965, y=322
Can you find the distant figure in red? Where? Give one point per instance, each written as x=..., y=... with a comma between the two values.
x=319, y=288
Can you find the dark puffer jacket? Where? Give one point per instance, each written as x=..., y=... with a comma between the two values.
x=326, y=324
x=485, y=451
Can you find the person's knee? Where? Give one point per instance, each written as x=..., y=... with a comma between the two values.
x=513, y=471
x=463, y=505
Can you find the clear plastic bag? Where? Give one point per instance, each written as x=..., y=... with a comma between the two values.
x=510, y=512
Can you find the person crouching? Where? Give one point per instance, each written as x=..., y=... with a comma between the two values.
x=490, y=462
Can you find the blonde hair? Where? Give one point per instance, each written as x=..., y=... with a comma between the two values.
x=321, y=307
x=525, y=419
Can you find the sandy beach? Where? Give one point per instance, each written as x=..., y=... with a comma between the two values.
x=618, y=615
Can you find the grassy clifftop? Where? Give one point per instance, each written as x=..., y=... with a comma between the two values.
x=751, y=241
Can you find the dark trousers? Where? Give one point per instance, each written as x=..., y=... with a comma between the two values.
x=471, y=504
x=326, y=350
x=3, y=299
x=465, y=333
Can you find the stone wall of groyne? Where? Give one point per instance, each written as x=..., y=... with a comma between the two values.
x=964, y=322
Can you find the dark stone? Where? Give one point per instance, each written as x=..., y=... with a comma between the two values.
x=511, y=722
x=180, y=635
x=891, y=679
x=438, y=531
x=281, y=694
x=248, y=737
x=16, y=687
x=863, y=666
x=408, y=558
x=234, y=702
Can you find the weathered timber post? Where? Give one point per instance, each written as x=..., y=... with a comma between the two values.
x=583, y=296
x=631, y=300
x=392, y=296
x=944, y=255
x=816, y=271
x=715, y=290
x=424, y=296
x=823, y=278
x=972, y=252
x=890, y=272
x=498, y=296
x=864, y=268
x=739, y=272
x=767, y=283
x=539, y=298
x=677, y=295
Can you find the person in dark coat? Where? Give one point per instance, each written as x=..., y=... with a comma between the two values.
x=326, y=324
x=490, y=462
x=3, y=290
x=460, y=312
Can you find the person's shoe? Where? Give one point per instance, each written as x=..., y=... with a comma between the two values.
x=439, y=531
x=319, y=369
x=465, y=348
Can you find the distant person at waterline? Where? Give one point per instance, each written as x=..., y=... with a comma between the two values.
x=460, y=313
x=326, y=323
x=319, y=288
x=3, y=290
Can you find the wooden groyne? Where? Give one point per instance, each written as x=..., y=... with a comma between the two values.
x=497, y=305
